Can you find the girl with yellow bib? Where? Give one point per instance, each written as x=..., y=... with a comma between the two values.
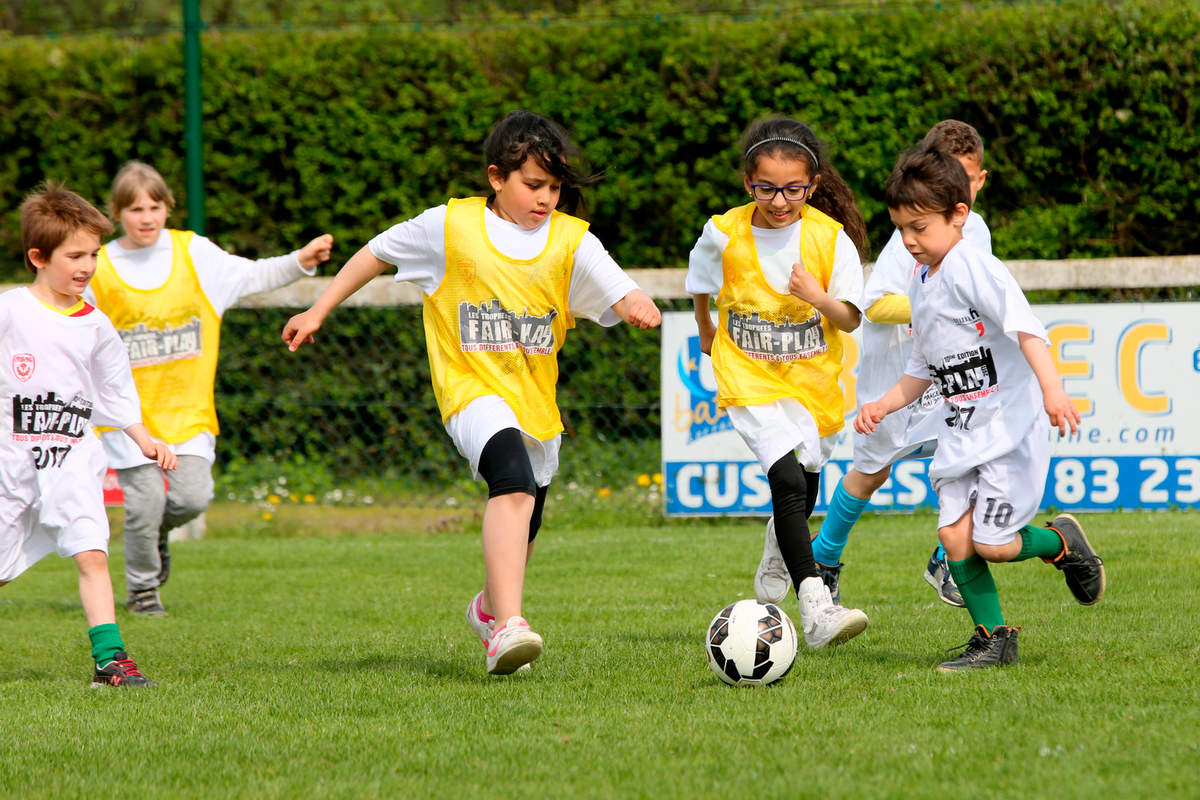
x=504, y=279
x=786, y=274
x=165, y=291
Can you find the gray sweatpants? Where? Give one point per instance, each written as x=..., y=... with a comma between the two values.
x=150, y=512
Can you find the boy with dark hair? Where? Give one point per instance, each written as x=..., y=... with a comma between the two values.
x=976, y=339
x=887, y=342
x=64, y=370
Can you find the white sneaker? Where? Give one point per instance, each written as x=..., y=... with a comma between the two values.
x=512, y=646
x=825, y=623
x=772, y=581
x=482, y=627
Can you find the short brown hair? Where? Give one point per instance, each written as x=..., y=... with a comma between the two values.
x=131, y=179
x=956, y=138
x=51, y=214
x=928, y=180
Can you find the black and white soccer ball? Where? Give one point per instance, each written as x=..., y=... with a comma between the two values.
x=751, y=643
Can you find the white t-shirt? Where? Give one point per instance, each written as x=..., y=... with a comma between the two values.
x=778, y=249
x=965, y=320
x=886, y=348
x=62, y=375
x=417, y=248
x=224, y=277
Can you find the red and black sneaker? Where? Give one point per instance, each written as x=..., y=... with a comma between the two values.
x=121, y=671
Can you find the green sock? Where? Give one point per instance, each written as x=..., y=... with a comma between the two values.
x=978, y=590
x=106, y=642
x=1039, y=543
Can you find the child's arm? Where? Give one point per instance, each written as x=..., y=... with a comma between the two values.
x=150, y=448
x=804, y=285
x=906, y=390
x=357, y=272
x=638, y=309
x=1058, y=405
x=708, y=329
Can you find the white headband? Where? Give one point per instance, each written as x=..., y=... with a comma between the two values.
x=797, y=142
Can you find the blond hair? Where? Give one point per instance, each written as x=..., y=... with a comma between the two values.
x=51, y=214
x=133, y=178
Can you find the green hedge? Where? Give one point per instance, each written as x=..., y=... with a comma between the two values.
x=1088, y=111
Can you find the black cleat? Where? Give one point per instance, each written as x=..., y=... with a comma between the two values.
x=830, y=576
x=985, y=649
x=1081, y=567
x=121, y=671
x=937, y=575
x=145, y=603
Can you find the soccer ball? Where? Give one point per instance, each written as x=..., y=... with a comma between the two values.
x=751, y=643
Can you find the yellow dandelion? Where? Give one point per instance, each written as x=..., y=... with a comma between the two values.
x=274, y=499
x=308, y=498
x=268, y=516
x=643, y=480
x=604, y=492
x=657, y=478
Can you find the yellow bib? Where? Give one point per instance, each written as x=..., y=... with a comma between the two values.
x=770, y=345
x=172, y=334
x=496, y=324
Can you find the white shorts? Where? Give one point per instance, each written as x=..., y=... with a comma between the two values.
x=772, y=430
x=473, y=427
x=58, y=509
x=1005, y=492
x=907, y=433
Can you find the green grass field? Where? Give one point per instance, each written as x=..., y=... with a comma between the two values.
x=340, y=666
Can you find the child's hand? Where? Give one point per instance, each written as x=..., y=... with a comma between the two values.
x=300, y=329
x=638, y=309
x=1062, y=411
x=869, y=415
x=162, y=454
x=316, y=252
x=804, y=284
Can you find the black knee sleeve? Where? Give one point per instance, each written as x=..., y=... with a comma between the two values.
x=789, y=486
x=505, y=466
x=539, y=502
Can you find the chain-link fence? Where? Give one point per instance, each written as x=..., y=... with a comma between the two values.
x=352, y=417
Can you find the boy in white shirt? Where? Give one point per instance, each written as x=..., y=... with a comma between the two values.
x=65, y=370
x=977, y=340
x=887, y=342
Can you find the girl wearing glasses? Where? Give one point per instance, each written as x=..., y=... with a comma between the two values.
x=786, y=274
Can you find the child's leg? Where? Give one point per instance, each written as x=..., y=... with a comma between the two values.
x=851, y=496
x=790, y=507
x=507, y=521
x=189, y=493
x=96, y=594
x=145, y=503
x=971, y=573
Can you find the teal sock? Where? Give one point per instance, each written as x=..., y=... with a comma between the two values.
x=941, y=552
x=1039, y=543
x=978, y=590
x=106, y=642
x=844, y=511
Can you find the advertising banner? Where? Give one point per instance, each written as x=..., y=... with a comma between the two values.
x=1133, y=371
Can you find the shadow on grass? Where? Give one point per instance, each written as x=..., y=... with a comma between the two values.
x=445, y=668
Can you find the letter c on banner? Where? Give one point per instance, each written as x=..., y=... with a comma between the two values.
x=1129, y=357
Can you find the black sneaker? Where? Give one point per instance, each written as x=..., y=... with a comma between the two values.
x=830, y=577
x=1081, y=567
x=937, y=575
x=145, y=603
x=985, y=649
x=164, y=555
x=121, y=671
